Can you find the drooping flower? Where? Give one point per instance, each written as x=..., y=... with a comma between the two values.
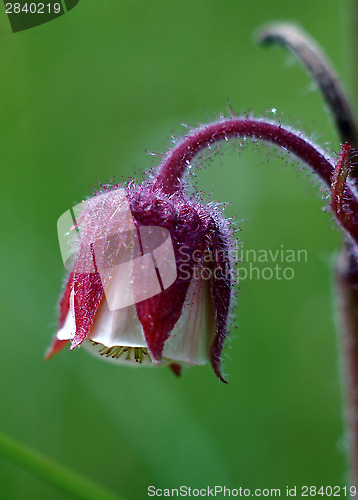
x=151, y=280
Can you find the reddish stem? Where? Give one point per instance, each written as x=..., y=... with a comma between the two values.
x=347, y=280
x=179, y=158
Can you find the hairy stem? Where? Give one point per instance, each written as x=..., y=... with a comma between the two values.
x=347, y=281
x=319, y=68
x=178, y=159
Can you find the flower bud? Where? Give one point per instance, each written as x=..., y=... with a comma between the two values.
x=150, y=274
x=150, y=279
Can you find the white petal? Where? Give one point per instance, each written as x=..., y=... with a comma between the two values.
x=110, y=328
x=117, y=337
x=192, y=335
x=68, y=330
x=120, y=327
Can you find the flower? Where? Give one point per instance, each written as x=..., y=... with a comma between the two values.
x=120, y=306
x=134, y=294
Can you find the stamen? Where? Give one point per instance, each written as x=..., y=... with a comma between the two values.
x=136, y=354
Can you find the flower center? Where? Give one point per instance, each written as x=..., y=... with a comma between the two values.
x=136, y=354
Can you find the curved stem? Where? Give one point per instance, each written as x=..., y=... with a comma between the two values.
x=313, y=59
x=54, y=474
x=178, y=159
x=319, y=68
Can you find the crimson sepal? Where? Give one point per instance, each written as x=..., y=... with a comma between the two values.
x=221, y=289
x=57, y=345
x=159, y=314
x=88, y=294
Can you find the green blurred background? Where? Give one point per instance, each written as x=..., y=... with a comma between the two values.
x=83, y=98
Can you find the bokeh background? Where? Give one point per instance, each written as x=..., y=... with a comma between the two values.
x=83, y=98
